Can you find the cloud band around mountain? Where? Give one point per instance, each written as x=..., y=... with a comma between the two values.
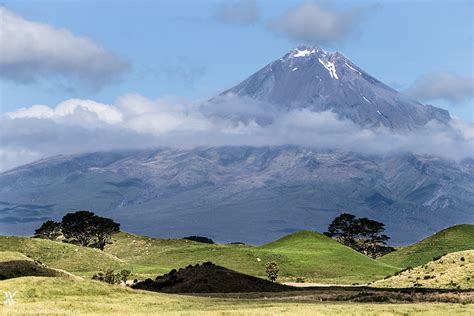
x=137, y=122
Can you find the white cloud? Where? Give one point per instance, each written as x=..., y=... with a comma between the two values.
x=239, y=12
x=442, y=86
x=315, y=23
x=72, y=110
x=137, y=122
x=31, y=50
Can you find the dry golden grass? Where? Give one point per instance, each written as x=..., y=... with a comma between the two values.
x=40, y=295
x=454, y=270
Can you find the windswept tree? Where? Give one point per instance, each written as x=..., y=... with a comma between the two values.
x=78, y=227
x=103, y=228
x=361, y=234
x=49, y=230
x=87, y=229
x=372, y=241
x=344, y=229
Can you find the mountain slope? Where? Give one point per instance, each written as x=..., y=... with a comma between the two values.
x=310, y=77
x=452, y=239
x=249, y=194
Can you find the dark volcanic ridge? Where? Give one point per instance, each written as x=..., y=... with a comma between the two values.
x=208, y=278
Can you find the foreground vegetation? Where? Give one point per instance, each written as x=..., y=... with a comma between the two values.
x=38, y=295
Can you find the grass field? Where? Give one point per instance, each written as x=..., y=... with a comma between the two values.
x=454, y=270
x=38, y=295
x=452, y=239
x=304, y=254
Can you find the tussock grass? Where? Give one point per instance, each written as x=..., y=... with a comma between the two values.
x=37, y=295
x=452, y=271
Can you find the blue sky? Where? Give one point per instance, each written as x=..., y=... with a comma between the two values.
x=180, y=49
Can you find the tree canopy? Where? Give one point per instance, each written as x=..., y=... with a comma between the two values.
x=361, y=234
x=82, y=227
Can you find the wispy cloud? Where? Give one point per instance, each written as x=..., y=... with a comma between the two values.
x=316, y=23
x=238, y=12
x=442, y=86
x=31, y=50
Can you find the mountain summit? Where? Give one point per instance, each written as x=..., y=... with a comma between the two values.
x=312, y=78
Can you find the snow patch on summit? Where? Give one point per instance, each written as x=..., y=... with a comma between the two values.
x=303, y=53
x=330, y=67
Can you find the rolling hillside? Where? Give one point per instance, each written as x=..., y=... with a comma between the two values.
x=60, y=255
x=454, y=270
x=452, y=239
x=303, y=254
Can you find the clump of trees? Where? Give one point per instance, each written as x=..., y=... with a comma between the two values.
x=201, y=239
x=272, y=270
x=111, y=277
x=82, y=228
x=361, y=234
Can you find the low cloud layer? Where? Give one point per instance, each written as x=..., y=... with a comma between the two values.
x=442, y=86
x=315, y=23
x=30, y=51
x=137, y=122
x=237, y=12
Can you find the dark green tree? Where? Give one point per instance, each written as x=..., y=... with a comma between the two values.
x=103, y=228
x=78, y=227
x=48, y=230
x=371, y=239
x=361, y=234
x=87, y=229
x=344, y=229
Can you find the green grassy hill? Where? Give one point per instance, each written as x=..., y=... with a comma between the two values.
x=60, y=255
x=454, y=270
x=305, y=254
x=452, y=239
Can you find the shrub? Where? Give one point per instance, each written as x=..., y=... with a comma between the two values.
x=111, y=277
x=200, y=239
x=438, y=257
x=272, y=269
